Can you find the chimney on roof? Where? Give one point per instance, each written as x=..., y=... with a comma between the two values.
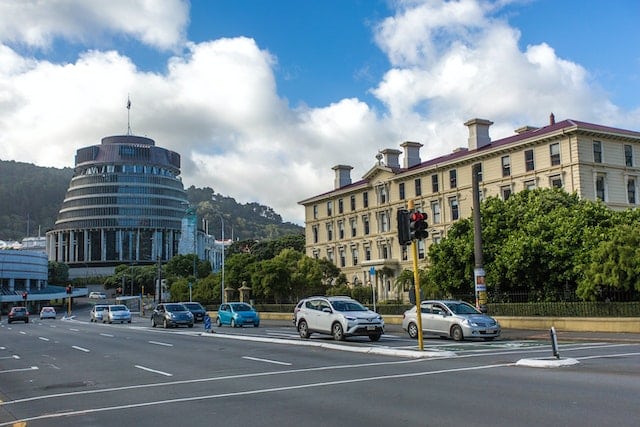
x=391, y=157
x=478, y=133
x=525, y=129
x=411, y=153
x=343, y=176
x=552, y=119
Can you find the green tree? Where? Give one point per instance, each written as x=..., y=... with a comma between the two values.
x=533, y=243
x=614, y=265
x=58, y=273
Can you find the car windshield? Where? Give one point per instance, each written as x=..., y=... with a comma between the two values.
x=175, y=307
x=193, y=306
x=100, y=307
x=241, y=307
x=347, y=306
x=462, y=308
x=19, y=309
x=118, y=308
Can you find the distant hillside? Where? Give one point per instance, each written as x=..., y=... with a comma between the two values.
x=31, y=196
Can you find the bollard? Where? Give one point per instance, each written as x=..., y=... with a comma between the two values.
x=554, y=342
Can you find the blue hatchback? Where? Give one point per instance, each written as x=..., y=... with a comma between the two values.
x=237, y=314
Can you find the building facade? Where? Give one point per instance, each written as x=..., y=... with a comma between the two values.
x=354, y=225
x=125, y=205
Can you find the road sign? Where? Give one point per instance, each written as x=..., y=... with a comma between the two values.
x=207, y=323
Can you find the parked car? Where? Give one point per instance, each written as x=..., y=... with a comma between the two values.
x=338, y=316
x=170, y=315
x=454, y=319
x=116, y=313
x=197, y=310
x=18, y=314
x=237, y=314
x=47, y=313
x=97, y=295
x=95, y=315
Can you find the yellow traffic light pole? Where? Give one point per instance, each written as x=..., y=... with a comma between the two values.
x=416, y=284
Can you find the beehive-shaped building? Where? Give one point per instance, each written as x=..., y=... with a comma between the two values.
x=124, y=205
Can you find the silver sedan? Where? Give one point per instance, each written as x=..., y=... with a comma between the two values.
x=454, y=319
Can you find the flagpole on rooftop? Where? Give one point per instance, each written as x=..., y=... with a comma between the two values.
x=128, y=115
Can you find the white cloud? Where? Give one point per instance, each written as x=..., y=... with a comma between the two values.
x=217, y=102
x=157, y=23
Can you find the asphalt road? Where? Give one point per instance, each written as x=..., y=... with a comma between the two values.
x=74, y=372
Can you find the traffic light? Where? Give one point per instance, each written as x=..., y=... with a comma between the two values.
x=418, y=225
x=404, y=234
x=68, y=289
x=24, y=296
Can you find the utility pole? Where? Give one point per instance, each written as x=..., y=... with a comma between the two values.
x=478, y=271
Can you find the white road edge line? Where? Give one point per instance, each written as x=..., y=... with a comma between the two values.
x=166, y=374
x=86, y=350
x=166, y=344
x=257, y=359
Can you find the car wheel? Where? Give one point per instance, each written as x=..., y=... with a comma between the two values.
x=153, y=322
x=375, y=337
x=128, y=321
x=233, y=323
x=337, y=332
x=218, y=322
x=256, y=325
x=412, y=330
x=191, y=325
x=165, y=324
x=303, y=329
x=456, y=333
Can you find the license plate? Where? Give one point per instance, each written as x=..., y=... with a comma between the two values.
x=371, y=328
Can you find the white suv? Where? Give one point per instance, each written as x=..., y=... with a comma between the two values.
x=338, y=316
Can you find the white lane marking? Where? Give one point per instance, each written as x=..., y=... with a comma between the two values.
x=267, y=374
x=166, y=344
x=252, y=392
x=22, y=332
x=43, y=338
x=33, y=368
x=80, y=348
x=107, y=335
x=74, y=329
x=601, y=356
x=166, y=374
x=266, y=360
x=15, y=356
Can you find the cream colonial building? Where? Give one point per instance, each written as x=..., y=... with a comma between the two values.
x=354, y=225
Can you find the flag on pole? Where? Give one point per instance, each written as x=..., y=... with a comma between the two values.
x=128, y=104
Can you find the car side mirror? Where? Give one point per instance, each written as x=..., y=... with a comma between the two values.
x=326, y=310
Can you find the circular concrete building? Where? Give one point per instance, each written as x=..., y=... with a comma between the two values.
x=124, y=205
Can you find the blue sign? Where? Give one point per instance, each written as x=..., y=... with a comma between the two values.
x=372, y=271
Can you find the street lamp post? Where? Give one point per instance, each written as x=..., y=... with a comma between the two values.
x=222, y=281
x=195, y=252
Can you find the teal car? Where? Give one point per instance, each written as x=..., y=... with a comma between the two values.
x=237, y=314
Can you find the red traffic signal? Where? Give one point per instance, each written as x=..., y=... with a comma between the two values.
x=25, y=295
x=418, y=225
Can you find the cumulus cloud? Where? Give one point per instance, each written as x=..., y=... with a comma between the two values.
x=216, y=102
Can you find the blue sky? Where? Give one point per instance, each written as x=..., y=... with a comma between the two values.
x=264, y=96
